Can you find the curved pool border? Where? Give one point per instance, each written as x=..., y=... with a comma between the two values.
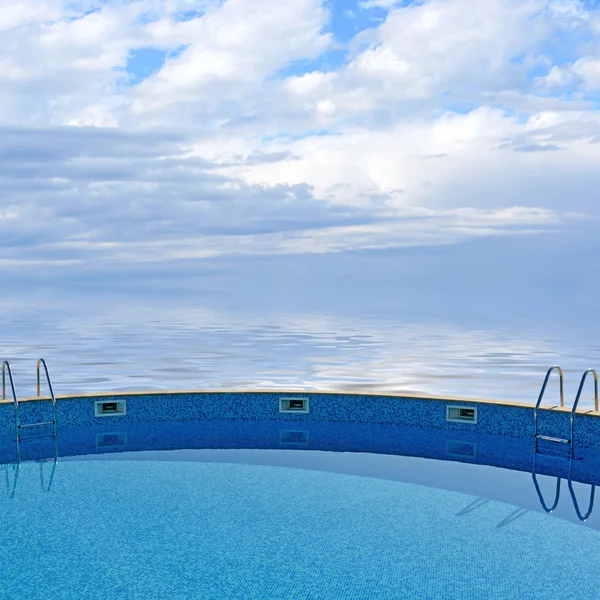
x=493, y=417
x=501, y=435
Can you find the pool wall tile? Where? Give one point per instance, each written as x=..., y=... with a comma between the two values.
x=500, y=451
x=492, y=419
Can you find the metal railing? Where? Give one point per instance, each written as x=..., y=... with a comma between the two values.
x=570, y=441
x=578, y=397
x=580, y=516
x=18, y=425
x=11, y=488
x=540, y=495
x=559, y=478
x=549, y=509
x=42, y=362
x=6, y=369
x=539, y=401
x=46, y=480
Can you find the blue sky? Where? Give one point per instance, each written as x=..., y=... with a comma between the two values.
x=192, y=143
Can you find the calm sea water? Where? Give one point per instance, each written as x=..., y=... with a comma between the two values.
x=108, y=344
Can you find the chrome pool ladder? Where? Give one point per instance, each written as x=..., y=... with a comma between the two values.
x=46, y=479
x=42, y=362
x=6, y=369
x=18, y=425
x=581, y=516
x=560, y=440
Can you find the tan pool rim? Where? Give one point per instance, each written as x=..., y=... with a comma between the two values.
x=397, y=395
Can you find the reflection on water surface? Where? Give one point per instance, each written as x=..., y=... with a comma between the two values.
x=107, y=346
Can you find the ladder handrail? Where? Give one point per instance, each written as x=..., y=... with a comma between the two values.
x=541, y=497
x=15, y=467
x=42, y=362
x=574, y=498
x=593, y=372
x=6, y=369
x=578, y=397
x=46, y=488
x=539, y=491
x=580, y=516
x=539, y=400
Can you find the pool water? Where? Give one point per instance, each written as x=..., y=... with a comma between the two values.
x=252, y=524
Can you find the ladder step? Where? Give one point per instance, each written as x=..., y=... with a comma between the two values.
x=548, y=438
x=36, y=424
x=37, y=439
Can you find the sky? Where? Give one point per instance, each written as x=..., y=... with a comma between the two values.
x=432, y=153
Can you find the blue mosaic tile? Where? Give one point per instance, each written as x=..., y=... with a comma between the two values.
x=492, y=419
x=467, y=446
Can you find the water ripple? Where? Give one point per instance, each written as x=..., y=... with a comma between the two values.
x=109, y=349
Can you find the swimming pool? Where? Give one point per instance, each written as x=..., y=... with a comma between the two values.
x=296, y=495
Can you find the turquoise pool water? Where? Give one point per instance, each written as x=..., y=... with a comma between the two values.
x=133, y=529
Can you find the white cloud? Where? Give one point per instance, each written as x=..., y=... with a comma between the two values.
x=584, y=73
x=234, y=49
x=367, y=4
x=431, y=132
x=484, y=158
x=411, y=230
x=568, y=12
x=588, y=69
x=557, y=77
x=16, y=15
x=425, y=48
x=309, y=83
